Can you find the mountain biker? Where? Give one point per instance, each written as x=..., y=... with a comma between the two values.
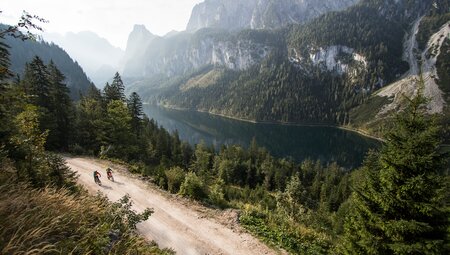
x=109, y=174
x=97, y=176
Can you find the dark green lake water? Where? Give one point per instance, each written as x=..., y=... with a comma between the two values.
x=299, y=142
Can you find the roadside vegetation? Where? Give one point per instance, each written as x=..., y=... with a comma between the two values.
x=396, y=203
x=42, y=210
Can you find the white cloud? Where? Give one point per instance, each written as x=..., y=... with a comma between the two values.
x=111, y=19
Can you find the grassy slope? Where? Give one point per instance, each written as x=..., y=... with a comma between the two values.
x=51, y=221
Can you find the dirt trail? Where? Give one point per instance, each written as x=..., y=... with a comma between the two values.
x=174, y=224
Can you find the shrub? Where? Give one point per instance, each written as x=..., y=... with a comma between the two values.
x=216, y=194
x=175, y=177
x=193, y=187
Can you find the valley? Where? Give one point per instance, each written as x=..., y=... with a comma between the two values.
x=231, y=127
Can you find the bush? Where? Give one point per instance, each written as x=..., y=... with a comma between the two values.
x=77, y=149
x=278, y=231
x=193, y=187
x=216, y=194
x=175, y=177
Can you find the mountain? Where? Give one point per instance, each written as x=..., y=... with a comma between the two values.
x=96, y=55
x=185, y=52
x=22, y=52
x=319, y=72
x=138, y=42
x=426, y=48
x=259, y=14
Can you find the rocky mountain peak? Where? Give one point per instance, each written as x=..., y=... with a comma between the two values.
x=137, y=37
x=259, y=14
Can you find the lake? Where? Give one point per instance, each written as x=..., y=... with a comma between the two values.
x=299, y=142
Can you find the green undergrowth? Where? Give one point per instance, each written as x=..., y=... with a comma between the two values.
x=364, y=116
x=282, y=232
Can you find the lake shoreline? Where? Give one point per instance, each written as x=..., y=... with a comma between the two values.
x=346, y=128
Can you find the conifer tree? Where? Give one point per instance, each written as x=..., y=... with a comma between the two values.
x=4, y=75
x=36, y=83
x=115, y=91
x=118, y=129
x=95, y=93
x=135, y=109
x=400, y=207
x=61, y=108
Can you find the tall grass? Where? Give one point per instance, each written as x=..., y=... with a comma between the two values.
x=50, y=221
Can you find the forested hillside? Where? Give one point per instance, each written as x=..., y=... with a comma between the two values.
x=42, y=210
x=22, y=52
x=312, y=73
x=397, y=203
x=426, y=49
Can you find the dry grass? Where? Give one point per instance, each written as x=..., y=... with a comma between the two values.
x=53, y=221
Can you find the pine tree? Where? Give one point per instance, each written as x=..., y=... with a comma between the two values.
x=5, y=125
x=118, y=130
x=95, y=93
x=400, y=207
x=36, y=83
x=90, y=125
x=115, y=91
x=61, y=109
x=135, y=109
x=4, y=63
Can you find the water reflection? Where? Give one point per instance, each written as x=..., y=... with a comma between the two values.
x=299, y=142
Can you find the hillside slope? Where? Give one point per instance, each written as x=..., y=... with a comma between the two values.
x=311, y=73
x=22, y=52
x=429, y=65
x=186, y=229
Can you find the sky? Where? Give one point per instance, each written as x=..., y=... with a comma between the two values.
x=110, y=19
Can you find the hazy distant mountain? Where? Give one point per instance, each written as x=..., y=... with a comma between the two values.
x=95, y=54
x=171, y=33
x=259, y=14
x=24, y=51
x=138, y=41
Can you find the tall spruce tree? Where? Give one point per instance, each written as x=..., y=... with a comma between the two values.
x=36, y=83
x=135, y=109
x=401, y=207
x=61, y=109
x=5, y=126
x=118, y=130
x=115, y=91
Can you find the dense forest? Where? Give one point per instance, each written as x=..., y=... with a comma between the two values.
x=396, y=203
x=287, y=86
x=304, y=208
x=42, y=209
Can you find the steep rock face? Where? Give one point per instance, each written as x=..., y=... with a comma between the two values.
x=138, y=41
x=259, y=14
x=185, y=53
x=410, y=84
x=337, y=58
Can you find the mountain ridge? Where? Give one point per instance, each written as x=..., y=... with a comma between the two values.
x=316, y=72
x=82, y=46
x=22, y=52
x=259, y=14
